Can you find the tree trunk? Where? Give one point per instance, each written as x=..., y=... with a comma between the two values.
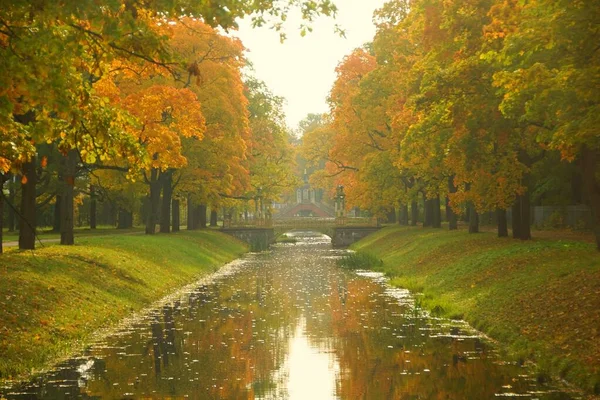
x=226, y=216
x=213, y=217
x=522, y=203
x=93, y=207
x=428, y=217
x=109, y=214
x=489, y=218
x=391, y=215
x=414, y=213
x=437, y=214
x=525, y=217
x=1, y=216
x=3, y=178
x=473, y=219
x=175, y=212
x=67, y=235
x=11, y=200
x=202, y=216
x=165, y=211
x=591, y=188
x=452, y=217
x=502, y=223
x=27, y=223
x=125, y=219
x=516, y=218
x=154, y=202
x=196, y=217
x=400, y=214
x=191, y=211
x=121, y=220
x=465, y=216
x=403, y=217
x=57, y=211
x=521, y=218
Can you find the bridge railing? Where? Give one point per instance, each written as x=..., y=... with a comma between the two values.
x=253, y=223
x=302, y=222
x=357, y=221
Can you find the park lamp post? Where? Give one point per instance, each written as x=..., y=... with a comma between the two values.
x=340, y=201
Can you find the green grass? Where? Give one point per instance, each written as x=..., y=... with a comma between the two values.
x=53, y=300
x=286, y=239
x=540, y=297
x=360, y=260
x=48, y=233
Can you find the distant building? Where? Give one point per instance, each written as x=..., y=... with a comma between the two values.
x=309, y=203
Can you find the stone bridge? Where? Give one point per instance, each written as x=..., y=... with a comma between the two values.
x=342, y=231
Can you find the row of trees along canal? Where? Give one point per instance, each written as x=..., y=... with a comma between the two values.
x=130, y=99
x=489, y=104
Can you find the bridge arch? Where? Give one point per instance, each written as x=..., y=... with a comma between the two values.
x=342, y=231
x=328, y=231
x=322, y=225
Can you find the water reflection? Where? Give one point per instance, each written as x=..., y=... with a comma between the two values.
x=289, y=324
x=310, y=368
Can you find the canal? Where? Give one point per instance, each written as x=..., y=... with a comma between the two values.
x=290, y=324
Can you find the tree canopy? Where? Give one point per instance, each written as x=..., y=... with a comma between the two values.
x=466, y=100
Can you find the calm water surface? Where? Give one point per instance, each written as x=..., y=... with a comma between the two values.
x=289, y=324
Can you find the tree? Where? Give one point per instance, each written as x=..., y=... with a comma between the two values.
x=217, y=166
x=359, y=101
x=271, y=156
x=446, y=126
x=165, y=115
x=549, y=78
x=52, y=54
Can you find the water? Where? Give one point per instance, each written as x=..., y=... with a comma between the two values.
x=289, y=324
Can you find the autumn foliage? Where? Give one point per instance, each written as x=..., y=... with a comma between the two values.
x=485, y=103
x=125, y=95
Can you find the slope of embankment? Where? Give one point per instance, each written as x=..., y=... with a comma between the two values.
x=53, y=299
x=540, y=297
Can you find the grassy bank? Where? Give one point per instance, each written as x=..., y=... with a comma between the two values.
x=53, y=299
x=48, y=234
x=541, y=297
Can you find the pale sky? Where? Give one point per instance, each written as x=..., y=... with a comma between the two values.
x=302, y=69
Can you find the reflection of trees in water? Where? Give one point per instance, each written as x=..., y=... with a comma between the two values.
x=65, y=379
x=163, y=339
x=231, y=336
x=231, y=339
x=157, y=343
x=385, y=351
x=169, y=329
